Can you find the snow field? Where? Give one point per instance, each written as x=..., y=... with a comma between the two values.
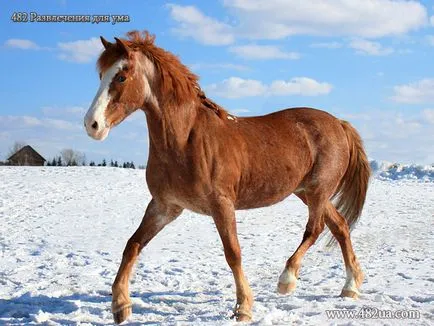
x=63, y=231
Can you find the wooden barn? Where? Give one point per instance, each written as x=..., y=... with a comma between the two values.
x=26, y=156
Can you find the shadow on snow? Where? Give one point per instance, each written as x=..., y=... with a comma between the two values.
x=184, y=306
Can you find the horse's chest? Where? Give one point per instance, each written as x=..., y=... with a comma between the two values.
x=179, y=187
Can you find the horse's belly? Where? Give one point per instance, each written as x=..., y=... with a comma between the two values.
x=264, y=195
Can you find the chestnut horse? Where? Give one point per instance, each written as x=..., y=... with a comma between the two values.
x=203, y=159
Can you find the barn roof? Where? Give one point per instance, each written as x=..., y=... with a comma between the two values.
x=26, y=150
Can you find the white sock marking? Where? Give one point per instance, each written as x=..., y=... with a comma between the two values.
x=350, y=283
x=287, y=276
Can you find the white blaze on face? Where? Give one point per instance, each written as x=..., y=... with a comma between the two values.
x=95, y=121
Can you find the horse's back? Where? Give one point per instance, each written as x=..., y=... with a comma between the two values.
x=306, y=115
x=295, y=131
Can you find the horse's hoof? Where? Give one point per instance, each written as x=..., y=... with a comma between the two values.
x=241, y=314
x=243, y=317
x=122, y=314
x=349, y=294
x=288, y=288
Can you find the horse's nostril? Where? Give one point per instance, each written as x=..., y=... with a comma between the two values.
x=95, y=125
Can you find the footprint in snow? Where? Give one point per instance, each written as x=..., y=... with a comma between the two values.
x=421, y=299
x=405, y=276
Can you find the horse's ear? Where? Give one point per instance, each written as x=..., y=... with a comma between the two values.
x=105, y=43
x=122, y=45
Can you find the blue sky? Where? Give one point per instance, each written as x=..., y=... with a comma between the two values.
x=368, y=62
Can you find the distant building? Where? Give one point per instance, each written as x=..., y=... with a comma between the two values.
x=26, y=156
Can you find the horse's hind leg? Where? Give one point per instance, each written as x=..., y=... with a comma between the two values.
x=339, y=227
x=315, y=225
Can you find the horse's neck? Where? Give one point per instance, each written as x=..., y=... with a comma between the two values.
x=169, y=128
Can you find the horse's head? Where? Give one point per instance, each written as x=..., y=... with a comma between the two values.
x=126, y=75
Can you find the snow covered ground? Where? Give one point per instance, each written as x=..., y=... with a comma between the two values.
x=62, y=232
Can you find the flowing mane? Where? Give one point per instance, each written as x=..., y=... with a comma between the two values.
x=177, y=83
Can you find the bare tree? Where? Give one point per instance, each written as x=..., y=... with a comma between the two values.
x=71, y=157
x=15, y=148
x=67, y=156
x=83, y=159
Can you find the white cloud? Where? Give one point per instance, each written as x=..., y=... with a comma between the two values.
x=408, y=124
x=431, y=20
x=218, y=66
x=80, y=51
x=370, y=48
x=29, y=121
x=235, y=87
x=430, y=39
x=61, y=124
x=262, y=52
x=19, y=121
x=327, y=45
x=4, y=135
x=428, y=115
x=204, y=29
x=25, y=121
x=421, y=91
x=395, y=136
x=276, y=19
x=22, y=44
x=68, y=111
x=299, y=86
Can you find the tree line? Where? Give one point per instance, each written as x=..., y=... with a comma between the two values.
x=70, y=157
x=61, y=160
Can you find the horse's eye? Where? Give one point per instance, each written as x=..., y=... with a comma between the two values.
x=121, y=79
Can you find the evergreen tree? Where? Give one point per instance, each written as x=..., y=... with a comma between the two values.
x=92, y=163
x=59, y=161
x=53, y=162
x=116, y=164
x=112, y=164
x=104, y=163
x=124, y=165
x=132, y=165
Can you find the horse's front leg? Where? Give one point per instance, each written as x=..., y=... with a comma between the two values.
x=156, y=217
x=224, y=218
